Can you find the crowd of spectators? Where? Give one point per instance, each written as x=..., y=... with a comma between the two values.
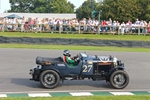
x=84, y=25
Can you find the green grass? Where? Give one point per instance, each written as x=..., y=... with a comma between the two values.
x=75, y=47
x=86, y=98
x=77, y=36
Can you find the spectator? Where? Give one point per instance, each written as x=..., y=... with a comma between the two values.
x=114, y=25
x=31, y=24
x=22, y=24
x=110, y=24
x=26, y=25
x=148, y=27
x=137, y=25
x=104, y=26
x=57, y=24
x=51, y=24
x=145, y=27
x=122, y=28
x=128, y=27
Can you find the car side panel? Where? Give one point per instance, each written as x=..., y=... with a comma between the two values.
x=66, y=70
x=87, y=67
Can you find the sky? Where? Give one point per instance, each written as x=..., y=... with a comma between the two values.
x=77, y=3
x=4, y=4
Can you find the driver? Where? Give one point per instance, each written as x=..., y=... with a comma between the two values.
x=67, y=58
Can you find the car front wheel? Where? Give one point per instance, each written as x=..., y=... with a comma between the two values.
x=119, y=79
x=49, y=79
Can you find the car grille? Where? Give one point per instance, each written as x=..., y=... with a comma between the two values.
x=102, y=67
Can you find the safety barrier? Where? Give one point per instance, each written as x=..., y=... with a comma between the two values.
x=80, y=29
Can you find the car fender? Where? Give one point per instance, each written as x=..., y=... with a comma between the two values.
x=54, y=69
x=114, y=69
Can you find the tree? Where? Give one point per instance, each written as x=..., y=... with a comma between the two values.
x=85, y=10
x=124, y=10
x=41, y=6
x=120, y=10
x=62, y=6
x=145, y=9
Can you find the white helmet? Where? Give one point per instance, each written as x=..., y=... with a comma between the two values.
x=66, y=53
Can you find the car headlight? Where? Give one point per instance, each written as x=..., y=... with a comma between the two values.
x=31, y=71
x=35, y=68
x=115, y=61
x=39, y=67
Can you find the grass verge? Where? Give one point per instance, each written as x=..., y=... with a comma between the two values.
x=75, y=47
x=78, y=36
x=85, y=98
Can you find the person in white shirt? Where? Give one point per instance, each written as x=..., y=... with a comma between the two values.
x=122, y=28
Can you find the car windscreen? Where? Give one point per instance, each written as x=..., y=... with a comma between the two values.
x=84, y=55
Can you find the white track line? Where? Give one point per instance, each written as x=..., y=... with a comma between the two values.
x=3, y=95
x=39, y=95
x=121, y=93
x=81, y=94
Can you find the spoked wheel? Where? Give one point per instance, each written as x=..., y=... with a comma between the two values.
x=49, y=79
x=119, y=79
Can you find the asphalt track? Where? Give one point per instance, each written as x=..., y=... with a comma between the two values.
x=16, y=63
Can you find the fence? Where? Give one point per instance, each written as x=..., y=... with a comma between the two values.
x=80, y=29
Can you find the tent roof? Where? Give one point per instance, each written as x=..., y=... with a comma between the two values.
x=12, y=16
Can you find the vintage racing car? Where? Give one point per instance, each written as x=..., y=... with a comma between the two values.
x=50, y=71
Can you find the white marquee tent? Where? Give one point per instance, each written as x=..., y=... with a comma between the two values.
x=41, y=15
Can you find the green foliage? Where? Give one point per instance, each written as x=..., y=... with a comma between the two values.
x=85, y=10
x=41, y=6
x=144, y=8
x=120, y=10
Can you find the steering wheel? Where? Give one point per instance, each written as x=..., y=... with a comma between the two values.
x=97, y=57
x=77, y=58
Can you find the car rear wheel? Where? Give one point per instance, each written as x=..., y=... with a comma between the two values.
x=119, y=79
x=49, y=79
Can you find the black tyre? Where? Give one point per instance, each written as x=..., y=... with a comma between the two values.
x=49, y=79
x=119, y=79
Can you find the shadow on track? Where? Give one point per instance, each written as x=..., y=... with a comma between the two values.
x=67, y=83
x=25, y=82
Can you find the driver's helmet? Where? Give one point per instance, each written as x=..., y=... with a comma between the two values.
x=66, y=53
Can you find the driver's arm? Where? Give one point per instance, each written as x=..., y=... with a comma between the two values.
x=70, y=61
x=77, y=56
